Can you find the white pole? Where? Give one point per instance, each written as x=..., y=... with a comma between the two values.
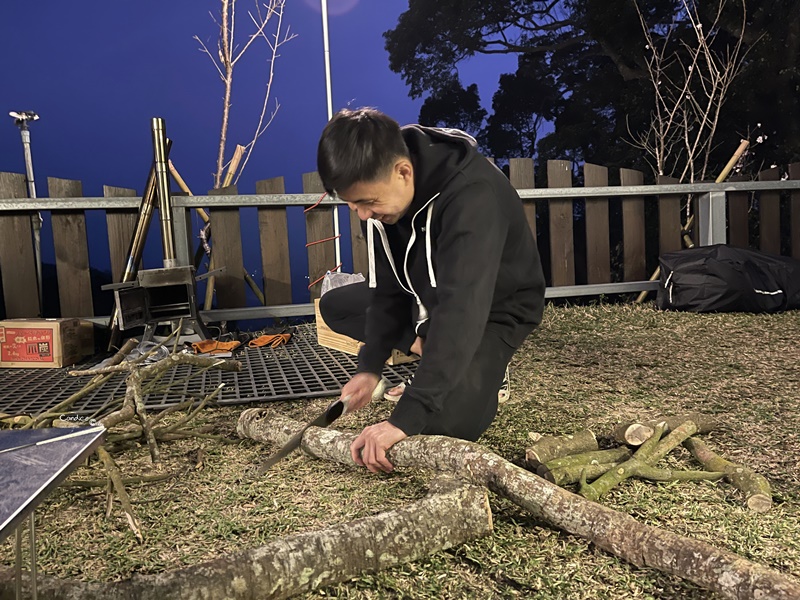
x=326, y=48
x=21, y=119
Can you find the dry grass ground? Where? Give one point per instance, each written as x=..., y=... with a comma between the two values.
x=586, y=367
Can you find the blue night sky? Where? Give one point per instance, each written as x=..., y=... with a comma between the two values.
x=96, y=72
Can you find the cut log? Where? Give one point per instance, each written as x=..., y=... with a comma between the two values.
x=576, y=473
x=632, y=434
x=452, y=514
x=568, y=469
x=636, y=433
x=589, y=458
x=642, y=545
x=648, y=454
x=555, y=446
x=648, y=472
x=756, y=488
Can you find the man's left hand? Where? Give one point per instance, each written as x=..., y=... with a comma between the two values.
x=369, y=448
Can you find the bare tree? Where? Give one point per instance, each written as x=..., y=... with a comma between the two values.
x=267, y=21
x=691, y=72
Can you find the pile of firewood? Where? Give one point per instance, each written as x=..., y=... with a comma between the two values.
x=577, y=458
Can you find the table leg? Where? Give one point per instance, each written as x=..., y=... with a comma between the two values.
x=32, y=530
x=18, y=562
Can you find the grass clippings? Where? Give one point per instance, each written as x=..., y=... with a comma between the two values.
x=585, y=367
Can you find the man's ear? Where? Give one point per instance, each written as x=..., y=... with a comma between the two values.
x=404, y=169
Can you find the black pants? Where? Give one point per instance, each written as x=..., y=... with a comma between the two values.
x=470, y=406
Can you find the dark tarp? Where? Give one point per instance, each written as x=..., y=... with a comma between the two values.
x=725, y=279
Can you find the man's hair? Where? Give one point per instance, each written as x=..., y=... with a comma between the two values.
x=358, y=146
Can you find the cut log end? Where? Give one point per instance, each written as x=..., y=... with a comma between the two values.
x=638, y=434
x=759, y=503
x=634, y=434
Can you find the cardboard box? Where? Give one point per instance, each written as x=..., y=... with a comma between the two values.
x=44, y=343
x=330, y=339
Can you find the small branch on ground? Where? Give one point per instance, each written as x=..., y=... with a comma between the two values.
x=648, y=454
x=576, y=473
x=119, y=486
x=98, y=380
x=756, y=488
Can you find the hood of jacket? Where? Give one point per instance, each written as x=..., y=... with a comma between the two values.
x=435, y=162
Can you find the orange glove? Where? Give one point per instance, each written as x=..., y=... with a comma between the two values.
x=214, y=347
x=273, y=341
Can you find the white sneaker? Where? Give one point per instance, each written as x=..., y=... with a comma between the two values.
x=401, y=387
x=504, y=393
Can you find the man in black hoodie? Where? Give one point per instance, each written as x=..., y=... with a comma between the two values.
x=453, y=265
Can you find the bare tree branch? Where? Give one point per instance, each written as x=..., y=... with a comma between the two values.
x=229, y=54
x=275, y=8
x=690, y=86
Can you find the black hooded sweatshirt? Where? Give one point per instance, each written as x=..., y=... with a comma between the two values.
x=460, y=260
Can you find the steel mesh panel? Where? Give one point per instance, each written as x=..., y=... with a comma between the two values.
x=300, y=369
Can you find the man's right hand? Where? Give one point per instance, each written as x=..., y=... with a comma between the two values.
x=360, y=389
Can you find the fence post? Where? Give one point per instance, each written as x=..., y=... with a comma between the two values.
x=562, y=247
x=769, y=214
x=182, y=233
x=121, y=225
x=72, y=252
x=669, y=218
x=273, y=232
x=520, y=174
x=794, y=208
x=633, y=229
x=226, y=250
x=319, y=226
x=598, y=251
x=17, y=261
x=738, y=227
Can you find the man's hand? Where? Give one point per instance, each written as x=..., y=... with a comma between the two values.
x=369, y=448
x=360, y=389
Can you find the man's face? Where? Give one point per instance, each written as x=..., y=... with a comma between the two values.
x=385, y=200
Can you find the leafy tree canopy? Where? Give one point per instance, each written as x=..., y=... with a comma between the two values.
x=583, y=66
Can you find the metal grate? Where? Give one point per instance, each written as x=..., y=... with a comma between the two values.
x=300, y=369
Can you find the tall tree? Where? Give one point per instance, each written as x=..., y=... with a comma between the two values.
x=454, y=106
x=523, y=103
x=595, y=53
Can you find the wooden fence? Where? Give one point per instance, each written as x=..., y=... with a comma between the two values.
x=612, y=233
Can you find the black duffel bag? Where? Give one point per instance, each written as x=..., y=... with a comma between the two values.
x=721, y=278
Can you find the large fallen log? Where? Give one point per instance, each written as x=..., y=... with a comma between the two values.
x=617, y=533
x=453, y=513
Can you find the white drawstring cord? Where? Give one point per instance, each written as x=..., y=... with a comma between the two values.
x=371, y=253
x=431, y=274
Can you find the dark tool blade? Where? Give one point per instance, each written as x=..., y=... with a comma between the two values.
x=333, y=412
